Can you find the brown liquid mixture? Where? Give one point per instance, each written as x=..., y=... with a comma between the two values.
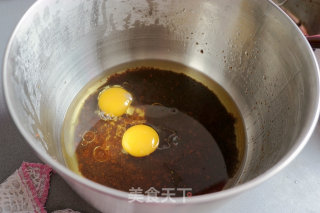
x=197, y=136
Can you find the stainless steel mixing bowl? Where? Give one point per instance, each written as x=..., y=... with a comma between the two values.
x=250, y=47
x=306, y=14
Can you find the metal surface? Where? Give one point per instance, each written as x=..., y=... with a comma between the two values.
x=306, y=14
x=262, y=90
x=14, y=149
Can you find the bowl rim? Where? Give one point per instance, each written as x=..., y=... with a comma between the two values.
x=64, y=171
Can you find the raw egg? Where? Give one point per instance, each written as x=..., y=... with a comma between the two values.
x=114, y=101
x=140, y=140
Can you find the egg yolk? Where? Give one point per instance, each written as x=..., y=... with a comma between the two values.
x=114, y=101
x=140, y=140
